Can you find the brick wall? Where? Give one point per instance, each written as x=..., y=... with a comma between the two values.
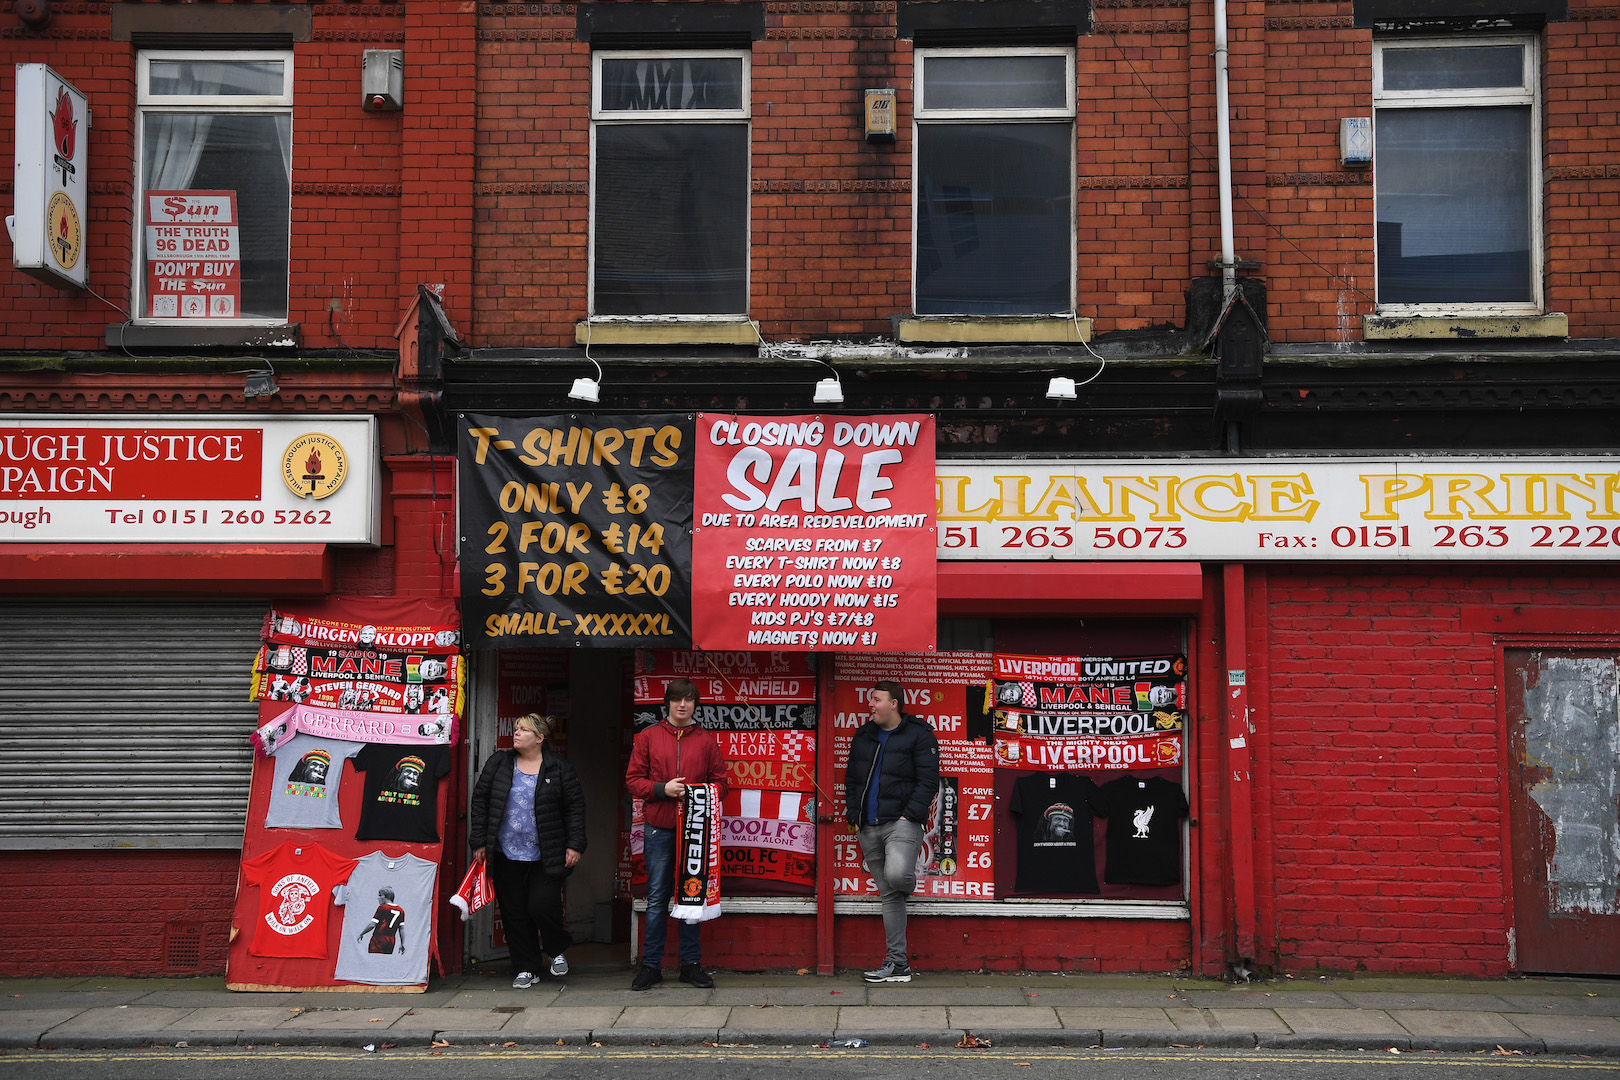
x=491, y=155
x=347, y=222
x=104, y=912
x=1385, y=797
x=955, y=943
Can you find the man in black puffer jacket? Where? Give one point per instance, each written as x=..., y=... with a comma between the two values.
x=889, y=791
x=528, y=816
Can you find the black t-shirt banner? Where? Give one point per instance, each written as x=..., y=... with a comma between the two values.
x=576, y=530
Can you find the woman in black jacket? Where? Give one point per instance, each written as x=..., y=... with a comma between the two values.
x=528, y=817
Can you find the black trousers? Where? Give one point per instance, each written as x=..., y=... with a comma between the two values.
x=531, y=903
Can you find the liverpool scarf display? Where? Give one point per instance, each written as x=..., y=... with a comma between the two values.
x=697, y=855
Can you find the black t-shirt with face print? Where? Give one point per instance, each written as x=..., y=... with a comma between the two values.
x=402, y=791
x=1055, y=852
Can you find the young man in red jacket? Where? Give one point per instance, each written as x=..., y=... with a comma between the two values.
x=668, y=756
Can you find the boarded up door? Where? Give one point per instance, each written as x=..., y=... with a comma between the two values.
x=1563, y=714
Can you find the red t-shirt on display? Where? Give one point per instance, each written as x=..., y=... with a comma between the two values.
x=295, y=894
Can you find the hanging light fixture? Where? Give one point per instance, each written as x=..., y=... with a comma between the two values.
x=587, y=389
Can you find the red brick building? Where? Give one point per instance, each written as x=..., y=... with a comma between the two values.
x=701, y=206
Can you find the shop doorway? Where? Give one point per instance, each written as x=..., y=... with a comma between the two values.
x=587, y=691
x=1563, y=717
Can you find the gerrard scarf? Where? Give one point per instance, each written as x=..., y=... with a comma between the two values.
x=697, y=855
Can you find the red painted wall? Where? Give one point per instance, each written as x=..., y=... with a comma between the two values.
x=1385, y=795
x=104, y=912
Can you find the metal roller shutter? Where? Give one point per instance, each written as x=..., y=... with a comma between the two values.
x=124, y=724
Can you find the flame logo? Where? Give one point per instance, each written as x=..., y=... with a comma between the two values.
x=313, y=465
x=66, y=128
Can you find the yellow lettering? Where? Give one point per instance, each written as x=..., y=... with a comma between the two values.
x=1157, y=491
x=1384, y=490
x=1193, y=496
x=1282, y=498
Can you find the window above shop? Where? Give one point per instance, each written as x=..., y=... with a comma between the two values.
x=1458, y=176
x=214, y=169
x=994, y=182
x=669, y=185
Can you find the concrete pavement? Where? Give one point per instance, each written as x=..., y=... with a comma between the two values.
x=595, y=1005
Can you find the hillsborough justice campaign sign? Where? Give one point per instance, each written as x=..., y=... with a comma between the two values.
x=814, y=533
x=164, y=479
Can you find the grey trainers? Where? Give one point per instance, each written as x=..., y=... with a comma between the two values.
x=524, y=980
x=559, y=965
x=889, y=972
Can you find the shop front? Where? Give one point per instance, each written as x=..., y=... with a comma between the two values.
x=139, y=558
x=1345, y=683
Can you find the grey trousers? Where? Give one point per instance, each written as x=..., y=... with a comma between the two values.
x=890, y=855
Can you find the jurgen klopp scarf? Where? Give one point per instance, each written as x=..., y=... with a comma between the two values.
x=697, y=855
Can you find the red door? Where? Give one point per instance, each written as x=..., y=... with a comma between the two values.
x=1563, y=715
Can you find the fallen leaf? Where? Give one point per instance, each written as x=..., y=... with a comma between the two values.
x=440, y=1042
x=596, y=1044
x=835, y=991
x=1502, y=1050
x=922, y=1046
x=559, y=1042
x=508, y=1044
x=375, y=1020
x=182, y=1042
x=1394, y=1049
x=1025, y=1064
x=973, y=1042
x=802, y=971
x=435, y=1053
x=389, y=1046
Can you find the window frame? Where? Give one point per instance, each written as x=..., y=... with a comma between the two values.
x=1528, y=94
x=742, y=115
x=922, y=117
x=254, y=105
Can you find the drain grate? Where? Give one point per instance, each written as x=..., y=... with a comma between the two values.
x=509, y=1008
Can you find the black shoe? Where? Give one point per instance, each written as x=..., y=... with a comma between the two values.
x=694, y=975
x=647, y=978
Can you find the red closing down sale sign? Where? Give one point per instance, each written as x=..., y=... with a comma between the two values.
x=814, y=533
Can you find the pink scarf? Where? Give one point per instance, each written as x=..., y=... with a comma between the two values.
x=366, y=727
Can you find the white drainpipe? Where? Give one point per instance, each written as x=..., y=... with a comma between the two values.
x=1223, y=142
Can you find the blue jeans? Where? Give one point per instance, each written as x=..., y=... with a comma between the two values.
x=658, y=847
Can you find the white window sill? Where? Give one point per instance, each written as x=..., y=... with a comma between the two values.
x=1462, y=327
x=993, y=330
x=196, y=334
x=668, y=332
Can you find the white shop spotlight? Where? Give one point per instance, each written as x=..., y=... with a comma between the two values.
x=586, y=389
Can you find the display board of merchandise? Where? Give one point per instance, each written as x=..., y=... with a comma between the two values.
x=1060, y=776
x=762, y=709
x=349, y=800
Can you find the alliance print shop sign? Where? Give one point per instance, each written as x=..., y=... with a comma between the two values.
x=576, y=531
x=1406, y=508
